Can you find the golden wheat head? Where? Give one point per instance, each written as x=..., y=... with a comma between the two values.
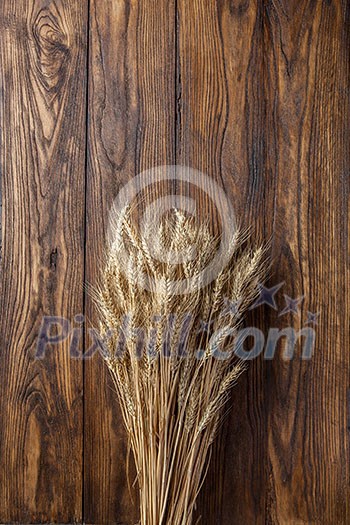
x=162, y=349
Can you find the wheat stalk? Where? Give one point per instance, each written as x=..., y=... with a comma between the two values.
x=171, y=386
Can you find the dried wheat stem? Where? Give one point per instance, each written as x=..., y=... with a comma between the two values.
x=171, y=395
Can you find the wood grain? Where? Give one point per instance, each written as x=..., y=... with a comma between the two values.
x=223, y=133
x=266, y=109
x=308, y=442
x=254, y=94
x=43, y=72
x=131, y=128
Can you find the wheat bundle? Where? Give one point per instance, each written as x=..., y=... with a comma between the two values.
x=170, y=354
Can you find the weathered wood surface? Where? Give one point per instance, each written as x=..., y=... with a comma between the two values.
x=43, y=86
x=256, y=95
x=131, y=128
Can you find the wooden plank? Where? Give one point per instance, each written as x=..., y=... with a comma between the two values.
x=131, y=128
x=222, y=132
x=259, y=96
x=308, y=445
x=43, y=65
x=265, y=108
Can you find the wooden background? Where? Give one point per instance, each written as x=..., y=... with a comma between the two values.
x=255, y=94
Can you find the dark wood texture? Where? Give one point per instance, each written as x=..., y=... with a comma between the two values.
x=43, y=73
x=256, y=95
x=131, y=128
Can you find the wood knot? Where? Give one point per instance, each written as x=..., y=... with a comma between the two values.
x=48, y=32
x=240, y=9
x=51, y=46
